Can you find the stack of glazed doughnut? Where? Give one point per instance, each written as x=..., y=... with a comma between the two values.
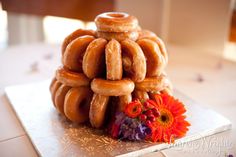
x=117, y=63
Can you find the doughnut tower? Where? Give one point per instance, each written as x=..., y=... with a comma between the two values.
x=115, y=64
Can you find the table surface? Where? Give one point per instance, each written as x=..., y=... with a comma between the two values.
x=207, y=79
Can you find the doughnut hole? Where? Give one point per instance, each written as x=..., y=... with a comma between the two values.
x=84, y=105
x=116, y=15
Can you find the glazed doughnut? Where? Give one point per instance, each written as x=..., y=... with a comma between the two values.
x=155, y=60
x=72, y=58
x=94, y=58
x=113, y=60
x=70, y=78
x=167, y=90
x=112, y=88
x=123, y=101
x=74, y=35
x=161, y=45
x=77, y=103
x=141, y=95
x=152, y=84
x=54, y=88
x=116, y=22
x=136, y=68
x=60, y=97
x=119, y=36
x=97, y=110
x=145, y=33
x=52, y=83
x=127, y=63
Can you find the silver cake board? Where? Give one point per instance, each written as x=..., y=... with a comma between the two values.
x=52, y=135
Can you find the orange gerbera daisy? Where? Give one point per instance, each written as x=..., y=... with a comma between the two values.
x=171, y=123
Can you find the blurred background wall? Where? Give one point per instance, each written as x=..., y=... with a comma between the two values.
x=149, y=13
x=201, y=24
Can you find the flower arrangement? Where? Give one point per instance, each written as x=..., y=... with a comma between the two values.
x=160, y=119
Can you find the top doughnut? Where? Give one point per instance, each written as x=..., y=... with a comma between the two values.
x=116, y=22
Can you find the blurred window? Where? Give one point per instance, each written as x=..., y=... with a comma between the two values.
x=3, y=28
x=57, y=28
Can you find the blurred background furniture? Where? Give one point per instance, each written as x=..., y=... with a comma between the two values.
x=28, y=15
x=233, y=26
x=77, y=9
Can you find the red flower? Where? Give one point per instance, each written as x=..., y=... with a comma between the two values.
x=149, y=104
x=158, y=100
x=171, y=123
x=115, y=130
x=133, y=109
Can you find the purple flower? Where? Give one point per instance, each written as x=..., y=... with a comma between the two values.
x=120, y=116
x=133, y=129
